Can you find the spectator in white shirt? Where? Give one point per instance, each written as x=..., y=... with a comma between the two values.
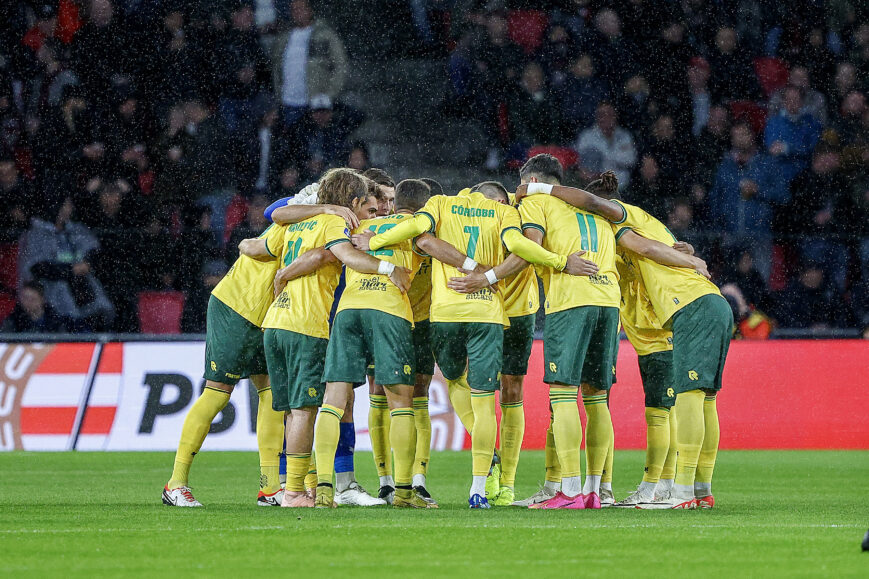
x=606, y=146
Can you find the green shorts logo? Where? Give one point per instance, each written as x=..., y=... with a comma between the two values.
x=407, y=369
x=553, y=367
x=693, y=375
x=670, y=392
x=213, y=366
x=312, y=392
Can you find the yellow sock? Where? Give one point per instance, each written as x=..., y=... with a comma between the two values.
x=553, y=467
x=311, y=477
x=484, y=433
x=607, y=477
x=422, y=421
x=297, y=469
x=669, y=470
x=657, y=442
x=460, y=398
x=378, y=430
x=512, y=433
x=566, y=429
x=326, y=436
x=194, y=431
x=689, y=436
x=598, y=433
x=403, y=440
x=709, y=450
x=270, y=441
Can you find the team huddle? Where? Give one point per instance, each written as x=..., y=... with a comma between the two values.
x=453, y=279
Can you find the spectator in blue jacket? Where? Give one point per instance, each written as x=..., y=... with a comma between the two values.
x=748, y=185
x=791, y=136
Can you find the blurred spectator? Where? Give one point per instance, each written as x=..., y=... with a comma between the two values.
x=747, y=187
x=556, y=53
x=844, y=82
x=750, y=324
x=701, y=101
x=814, y=213
x=712, y=143
x=17, y=201
x=792, y=134
x=533, y=115
x=606, y=146
x=580, y=93
x=199, y=246
x=358, y=158
x=680, y=222
x=322, y=136
x=813, y=101
x=262, y=151
x=742, y=273
x=808, y=301
x=613, y=53
x=243, y=68
x=650, y=188
x=673, y=154
x=180, y=63
x=57, y=252
x=253, y=225
x=851, y=130
x=196, y=304
x=732, y=73
x=307, y=60
x=32, y=314
x=636, y=105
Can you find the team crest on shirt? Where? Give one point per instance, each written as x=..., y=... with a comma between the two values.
x=693, y=375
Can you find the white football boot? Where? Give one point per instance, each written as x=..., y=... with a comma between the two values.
x=180, y=497
x=355, y=495
x=544, y=494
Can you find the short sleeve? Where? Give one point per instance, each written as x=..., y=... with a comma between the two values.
x=624, y=218
x=431, y=210
x=532, y=214
x=274, y=238
x=335, y=232
x=510, y=220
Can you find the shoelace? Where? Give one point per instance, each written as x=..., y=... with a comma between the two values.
x=185, y=492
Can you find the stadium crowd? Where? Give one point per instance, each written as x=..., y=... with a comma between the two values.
x=142, y=139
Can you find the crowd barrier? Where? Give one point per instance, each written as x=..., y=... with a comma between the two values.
x=780, y=394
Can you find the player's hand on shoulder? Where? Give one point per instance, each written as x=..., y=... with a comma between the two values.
x=578, y=265
x=360, y=240
x=344, y=213
x=400, y=276
x=521, y=191
x=700, y=267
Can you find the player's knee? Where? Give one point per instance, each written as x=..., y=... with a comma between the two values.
x=399, y=396
x=420, y=388
x=374, y=389
x=228, y=388
x=511, y=388
x=710, y=393
x=260, y=381
x=589, y=390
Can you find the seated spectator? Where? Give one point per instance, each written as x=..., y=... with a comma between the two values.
x=851, y=129
x=747, y=187
x=127, y=134
x=814, y=103
x=673, y=154
x=556, y=53
x=750, y=323
x=533, y=115
x=650, y=188
x=733, y=75
x=580, y=93
x=711, y=145
x=57, y=252
x=808, y=301
x=253, y=225
x=791, y=136
x=844, y=83
x=196, y=304
x=263, y=150
x=605, y=146
x=742, y=273
x=32, y=314
x=322, y=137
x=198, y=246
x=358, y=158
x=701, y=100
x=636, y=106
x=17, y=201
x=307, y=60
x=614, y=54
x=814, y=213
x=680, y=222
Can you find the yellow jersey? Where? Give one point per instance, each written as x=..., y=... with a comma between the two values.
x=304, y=304
x=669, y=288
x=419, y=293
x=473, y=224
x=520, y=291
x=641, y=325
x=247, y=287
x=566, y=230
x=372, y=291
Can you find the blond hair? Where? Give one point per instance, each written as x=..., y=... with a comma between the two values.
x=342, y=186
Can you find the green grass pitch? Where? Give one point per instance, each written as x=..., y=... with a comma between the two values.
x=96, y=515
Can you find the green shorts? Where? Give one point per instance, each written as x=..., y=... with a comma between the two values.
x=233, y=345
x=656, y=370
x=579, y=346
x=425, y=361
x=362, y=337
x=616, y=359
x=701, y=338
x=295, y=369
x=477, y=345
x=518, y=339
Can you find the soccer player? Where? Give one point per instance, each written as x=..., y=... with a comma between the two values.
x=297, y=323
x=467, y=329
x=374, y=324
x=686, y=302
x=233, y=351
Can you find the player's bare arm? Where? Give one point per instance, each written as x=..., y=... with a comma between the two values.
x=579, y=198
x=684, y=247
x=447, y=253
x=305, y=264
x=661, y=253
x=408, y=228
x=255, y=248
x=295, y=213
x=364, y=263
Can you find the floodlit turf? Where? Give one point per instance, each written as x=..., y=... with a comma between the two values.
x=81, y=514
